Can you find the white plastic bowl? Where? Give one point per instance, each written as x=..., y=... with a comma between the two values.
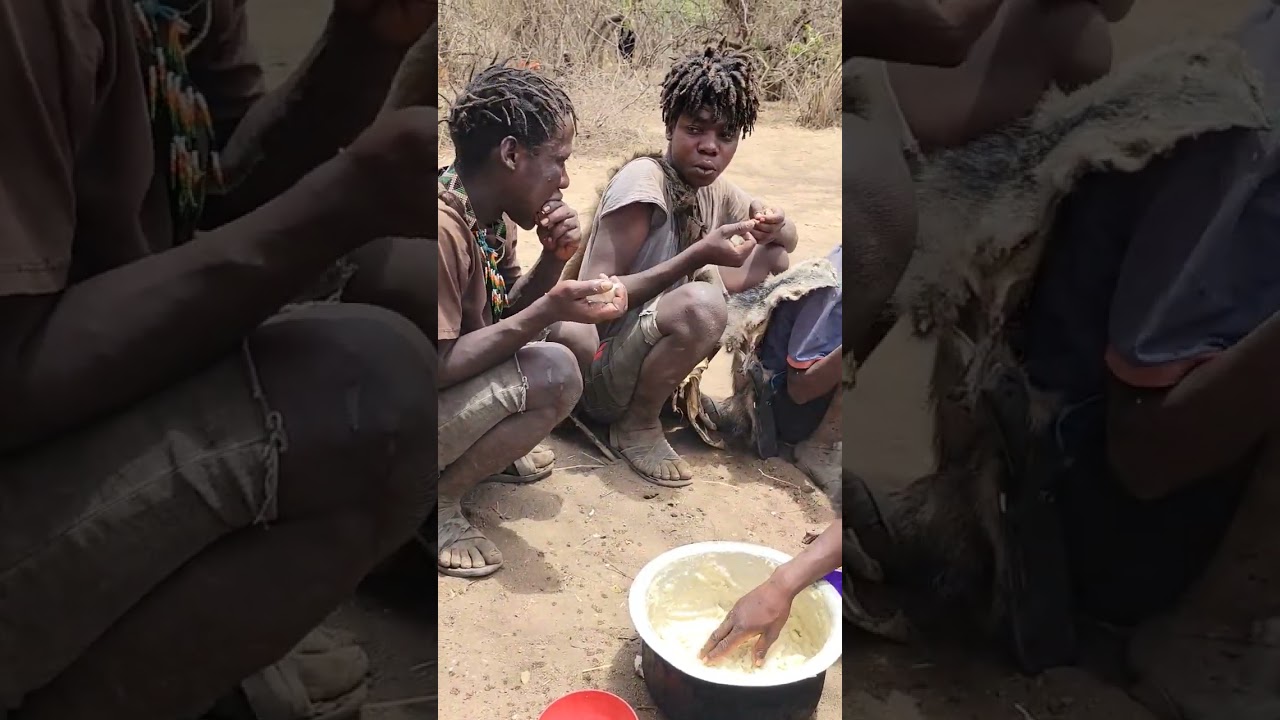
x=638, y=606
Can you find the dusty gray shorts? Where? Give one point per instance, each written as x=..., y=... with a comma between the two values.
x=474, y=406
x=92, y=521
x=615, y=370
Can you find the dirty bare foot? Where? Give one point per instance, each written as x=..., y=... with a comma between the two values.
x=821, y=462
x=646, y=450
x=1188, y=672
x=464, y=551
x=895, y=626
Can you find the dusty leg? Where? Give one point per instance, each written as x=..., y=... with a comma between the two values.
x=555, y=383
x=879, y=229
x=1218, y=654
x=399, y=274
x=1163, y=441
x=764, y=261
x=582, y=341
x=691, y=320
x=356, y=389
x=820, y=456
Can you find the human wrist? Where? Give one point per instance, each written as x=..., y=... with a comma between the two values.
x=788, y=580
x=343, y=198
x=542, y=313
x=549, y=259
x=695, y=256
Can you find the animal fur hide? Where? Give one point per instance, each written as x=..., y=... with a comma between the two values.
x=986, y=208
x=749, y=313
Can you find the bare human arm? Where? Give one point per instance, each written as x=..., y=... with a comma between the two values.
x=764, y=611
x=618, y=241
x=919, y=32
x=71, y=353
x=560, y=233
x=466, y=352
x=813, y=563
x=118, y=336
x=270, y=140
x=1082, y=47
x=474, y=352
x=534, y=284
x=818, y=379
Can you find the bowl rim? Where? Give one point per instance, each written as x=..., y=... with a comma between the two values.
x=636, y=603
x=588, y=691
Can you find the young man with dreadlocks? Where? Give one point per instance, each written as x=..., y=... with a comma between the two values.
x=662, y=220
x=191, y=480
x=502, y=390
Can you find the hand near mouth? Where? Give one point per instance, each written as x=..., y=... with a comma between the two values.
x=559, y=230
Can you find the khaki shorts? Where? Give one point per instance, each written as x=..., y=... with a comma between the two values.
x=474, y=406
x=92, y=521
x=611, y=382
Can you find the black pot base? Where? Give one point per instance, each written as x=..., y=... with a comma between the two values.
x=682, y=697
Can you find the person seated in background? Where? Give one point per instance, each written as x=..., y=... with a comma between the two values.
x=662, y=221
x=795, y=371
x=509, y=342
x=801, y=355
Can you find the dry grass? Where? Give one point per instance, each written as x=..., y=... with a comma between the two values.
x=795, y=45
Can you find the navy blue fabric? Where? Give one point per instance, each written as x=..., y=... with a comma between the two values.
x=806, y=330
x=1203, y=266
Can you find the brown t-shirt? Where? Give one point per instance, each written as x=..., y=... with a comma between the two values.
x=79, y=188
x=463, y=298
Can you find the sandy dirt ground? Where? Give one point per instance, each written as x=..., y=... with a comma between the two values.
x=554, y=620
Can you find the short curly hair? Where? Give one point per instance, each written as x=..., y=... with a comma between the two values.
x=720, y=81
x=502, y=101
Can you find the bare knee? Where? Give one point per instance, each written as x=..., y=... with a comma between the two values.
x=398, y=274
x=1083, y=37
x=696, y=310
x=776, y=258
x=582, y=340
x=555, y=379
x=880, y=228
x=355, y=385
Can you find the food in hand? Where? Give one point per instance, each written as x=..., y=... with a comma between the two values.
x=606, y=296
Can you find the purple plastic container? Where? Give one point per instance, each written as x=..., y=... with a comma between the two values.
x=835, y=577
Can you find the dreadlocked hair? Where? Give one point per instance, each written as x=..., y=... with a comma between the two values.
x=502, y=101
x=721, y=81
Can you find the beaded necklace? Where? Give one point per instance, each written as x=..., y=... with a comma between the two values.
x=492, y=254
x=180, y=120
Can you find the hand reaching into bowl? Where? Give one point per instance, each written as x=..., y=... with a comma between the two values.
x=762, y=613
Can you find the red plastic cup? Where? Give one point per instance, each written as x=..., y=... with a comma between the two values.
x=589, y=705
